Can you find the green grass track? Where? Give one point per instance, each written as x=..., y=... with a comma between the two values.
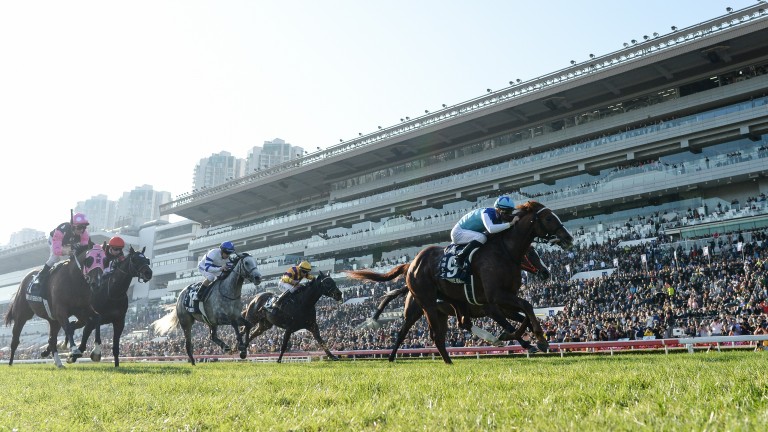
x=712, y=391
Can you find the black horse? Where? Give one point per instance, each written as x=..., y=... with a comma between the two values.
x=293, y=315
x=68, y=291
x=497, y=278
x=111, y=301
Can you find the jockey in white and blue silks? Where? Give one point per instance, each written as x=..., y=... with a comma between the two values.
x=213, y=264
x=471, y=228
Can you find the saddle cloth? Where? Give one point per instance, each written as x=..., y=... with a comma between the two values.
x=448, y=268
x=191, y=302
x=37, y=293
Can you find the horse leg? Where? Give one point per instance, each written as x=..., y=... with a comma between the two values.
x=411, y=314
x=259, y=328
x=96, y=353
x=437, y=329
x=510, y=332
x=186, y=327
x=53, y=335
x=536, y=329
x=117, y=327
x=241, y=344
x=219, y=342
x=87, y=330
x=69, y=340
x=316, y=333
x=18, y=325
x=284, y=346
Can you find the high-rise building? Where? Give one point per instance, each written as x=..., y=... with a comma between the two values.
x=101, y=212
x=273, y=153
x=140, y=206
x=217, y=169
x=25, y=235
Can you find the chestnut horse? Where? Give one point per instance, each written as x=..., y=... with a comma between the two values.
x=70, y=286
x=412, y=312
x=497, y=276
x=111, y=301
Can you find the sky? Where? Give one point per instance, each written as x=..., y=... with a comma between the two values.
x=98, y=98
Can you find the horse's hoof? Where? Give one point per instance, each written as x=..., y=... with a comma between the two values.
x=334, y=358
x=70, y=359
x=95, y=357
x=532, y=349
x=243, y=355
x=525, y=344
x=542, y=346
x=45, y=354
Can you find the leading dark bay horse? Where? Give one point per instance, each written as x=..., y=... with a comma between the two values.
x=111, y=301
x=68, y=293
x=222, y=307
x=496, y=270
x=293, y=315
x=412, y=312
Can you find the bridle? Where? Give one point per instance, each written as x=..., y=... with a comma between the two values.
x=536, y=217
x=132, y=268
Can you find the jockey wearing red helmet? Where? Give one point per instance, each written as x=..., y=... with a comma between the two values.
x=114, y=253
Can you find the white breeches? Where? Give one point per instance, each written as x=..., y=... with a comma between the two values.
x=462, y=236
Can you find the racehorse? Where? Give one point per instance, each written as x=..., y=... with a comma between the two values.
x=111, y=301
x=292, y=315
x=496, y=270
x=69, y=289
x=221, y=307
x=412, y=312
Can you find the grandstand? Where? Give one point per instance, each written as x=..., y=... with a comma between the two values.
x=665, y=137
x=670, y=128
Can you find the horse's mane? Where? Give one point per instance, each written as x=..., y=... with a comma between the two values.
x=530, y=206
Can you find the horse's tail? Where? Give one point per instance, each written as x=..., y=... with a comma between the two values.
x=387, y=298
x=166, y=323
x=13, y=308
x=379, y=277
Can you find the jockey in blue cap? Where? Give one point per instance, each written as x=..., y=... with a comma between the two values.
x=471, y=230
x=213, y=264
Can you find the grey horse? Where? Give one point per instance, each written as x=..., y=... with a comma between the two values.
x=222, y=306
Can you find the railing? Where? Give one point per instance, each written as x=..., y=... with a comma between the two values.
x=560, y=349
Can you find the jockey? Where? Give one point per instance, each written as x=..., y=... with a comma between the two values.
x=114, y=254
x=294, y=279
x=63, y=239
x=215, y=262
x=471, y=230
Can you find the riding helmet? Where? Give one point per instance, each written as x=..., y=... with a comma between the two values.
x=116, y=242
x=504, y=202
x=227, y=247
x=80, y=219
x=306, y=266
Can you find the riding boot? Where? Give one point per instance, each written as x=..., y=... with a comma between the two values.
x=202, y=294
x=462, y=259
x=542, y=271
x=42, y=277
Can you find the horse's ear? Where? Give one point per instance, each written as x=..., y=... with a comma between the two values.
x=104, y=245
x=322, y=275
x=130, y=250
x=143, y=249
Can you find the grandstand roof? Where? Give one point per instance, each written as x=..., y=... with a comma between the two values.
x=689, y=54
